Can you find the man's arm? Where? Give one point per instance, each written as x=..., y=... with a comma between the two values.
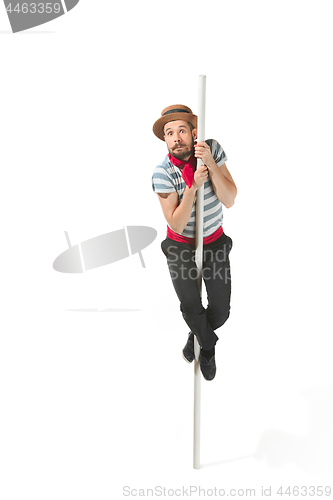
x=177, y=216
x=223, y=184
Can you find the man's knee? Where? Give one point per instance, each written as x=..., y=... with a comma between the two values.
x=217, y=317
x=191, y=307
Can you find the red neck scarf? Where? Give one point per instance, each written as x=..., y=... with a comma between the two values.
x=187, y=168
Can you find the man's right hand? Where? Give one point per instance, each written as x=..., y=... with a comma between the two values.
x=178, y=214
x=200, y=176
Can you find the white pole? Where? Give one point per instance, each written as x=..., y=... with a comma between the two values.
x=198, y=260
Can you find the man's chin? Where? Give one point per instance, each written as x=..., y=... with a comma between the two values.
x=181, y=154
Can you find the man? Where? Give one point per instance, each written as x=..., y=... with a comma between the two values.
x=176, y=181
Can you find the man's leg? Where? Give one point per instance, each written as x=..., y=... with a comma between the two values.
x=217, y=277
x=184, y=275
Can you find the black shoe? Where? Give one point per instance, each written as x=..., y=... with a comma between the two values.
x=188, y=351
x=208, y=366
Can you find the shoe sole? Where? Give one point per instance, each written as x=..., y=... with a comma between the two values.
x=187, y=361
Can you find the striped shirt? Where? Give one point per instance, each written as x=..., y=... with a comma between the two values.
x=168, y=178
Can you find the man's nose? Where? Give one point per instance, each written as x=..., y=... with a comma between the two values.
x=177, y=137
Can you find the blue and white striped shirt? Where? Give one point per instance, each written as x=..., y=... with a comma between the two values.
x=168, y=178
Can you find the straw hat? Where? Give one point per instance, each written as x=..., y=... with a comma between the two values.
x=171, y=113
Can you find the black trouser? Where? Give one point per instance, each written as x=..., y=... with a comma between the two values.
x=217, y=278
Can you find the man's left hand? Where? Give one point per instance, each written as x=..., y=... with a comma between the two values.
x=202, y=151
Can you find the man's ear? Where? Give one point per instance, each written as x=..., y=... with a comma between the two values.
x=194, y=133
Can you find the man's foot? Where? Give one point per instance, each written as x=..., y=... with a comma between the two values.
x=188, y=351
x=207, y=364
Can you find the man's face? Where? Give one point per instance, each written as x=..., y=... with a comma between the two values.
x=179, y=139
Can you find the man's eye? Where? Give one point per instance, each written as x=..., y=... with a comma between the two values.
x=169, y=133
x=182, y=131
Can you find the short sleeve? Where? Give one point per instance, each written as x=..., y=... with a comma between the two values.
x=161, y=181
x=217, y=151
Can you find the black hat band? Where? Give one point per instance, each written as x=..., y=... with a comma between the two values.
x=175, y=111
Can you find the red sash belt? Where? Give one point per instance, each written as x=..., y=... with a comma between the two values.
x=209, y=239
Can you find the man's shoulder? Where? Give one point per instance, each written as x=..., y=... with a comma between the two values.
x=212, y=143
x=163, y=177
x=217, y=151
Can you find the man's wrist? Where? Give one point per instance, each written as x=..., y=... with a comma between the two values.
x=193, y=188
x=212, y=167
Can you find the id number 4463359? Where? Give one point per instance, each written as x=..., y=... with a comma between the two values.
x=34, y=8
x=304, y=491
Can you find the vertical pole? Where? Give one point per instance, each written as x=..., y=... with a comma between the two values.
x=199, y=263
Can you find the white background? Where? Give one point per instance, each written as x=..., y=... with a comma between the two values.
x=93, y=402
